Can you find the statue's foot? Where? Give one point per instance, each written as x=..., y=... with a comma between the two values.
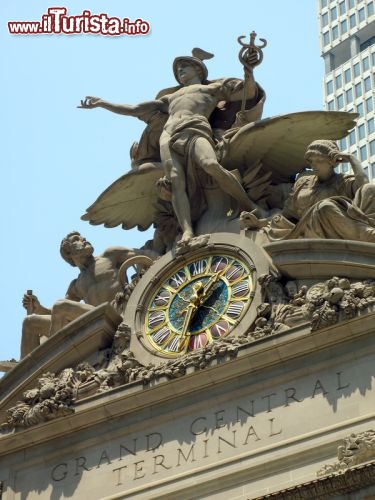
x=183, y=245
x=192, y=243
x=185, y=238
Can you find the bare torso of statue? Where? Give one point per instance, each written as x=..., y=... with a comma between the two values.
x=195, y=99
x=187, y=137
x=98, y=283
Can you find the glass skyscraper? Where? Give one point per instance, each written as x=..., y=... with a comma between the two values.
x=347, y=41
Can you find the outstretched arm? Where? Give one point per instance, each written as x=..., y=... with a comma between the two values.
x=138, y=110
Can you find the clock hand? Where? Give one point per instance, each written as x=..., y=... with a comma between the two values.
x=200, y=295
x=201, y=292
x=194, y=303
x=210, y=286
x=183, y=298
x=211, y=309
x=190, y=310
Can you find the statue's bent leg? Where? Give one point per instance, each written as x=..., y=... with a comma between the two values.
x=205, y=157
x=34, y=327
x=174, y=168
x=331, y=220
x=365, y=200
x=64, y=311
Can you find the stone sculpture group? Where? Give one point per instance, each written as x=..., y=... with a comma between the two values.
x=207, y=162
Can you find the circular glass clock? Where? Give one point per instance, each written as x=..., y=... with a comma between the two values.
x=198, y=302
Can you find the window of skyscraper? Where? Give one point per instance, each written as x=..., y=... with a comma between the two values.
x=342, y=8
x=325, y=19
x=349, y=96
x=333, y=14
x=351, y=3
x=361, y=14
x=372, y=148
x=367, y=83
x=360, y=109
x=352, y=21
x=358, y=89
x=365, y=64
x=347, y=75
x=338, y=81
x=361, y=131
x=323, y=3
x=351, y=138
x=331, y=106
x=371, y=126
x=367, y=43
x=356, y=69
x=335, y=32
x=370, y=8
x=342, y=143
x=340, y=101
x=326, y=38
x=369, y=105
x=329, y=87
x=362, y=153
x=373, y=58
x=344, y=26
x=373, y=169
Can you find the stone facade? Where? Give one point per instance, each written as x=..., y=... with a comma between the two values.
x=257, y=423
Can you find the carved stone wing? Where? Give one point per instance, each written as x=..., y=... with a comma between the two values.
x=129, y=201
x=279, y=143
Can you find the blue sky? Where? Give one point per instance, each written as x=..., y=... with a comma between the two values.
x=57, y=159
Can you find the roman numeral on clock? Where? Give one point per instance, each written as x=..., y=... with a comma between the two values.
x=235, y=309
x=219, y=263
x=241, y=289
x=174, y=345
x=177, y=279
x=234, y=273
x=198, y=267
x=155, y=318
x=162, y=299
x=160, y=336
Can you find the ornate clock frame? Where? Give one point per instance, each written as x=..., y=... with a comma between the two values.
x=184, y=302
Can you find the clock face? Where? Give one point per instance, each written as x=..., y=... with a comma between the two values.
x=197, y=303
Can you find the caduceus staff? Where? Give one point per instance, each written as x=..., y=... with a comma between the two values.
x=247, y=58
